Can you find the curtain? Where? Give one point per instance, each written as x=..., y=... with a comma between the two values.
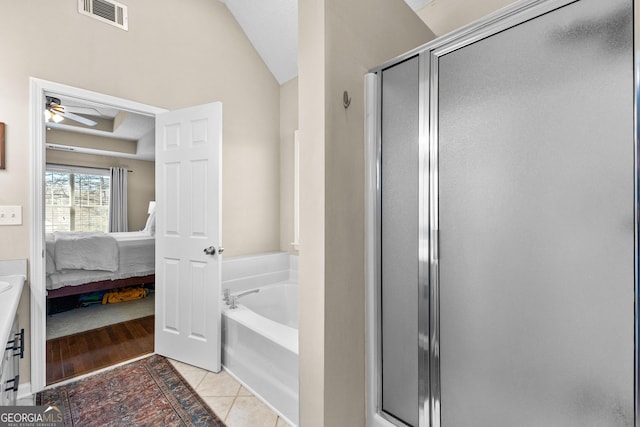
x=118, y=201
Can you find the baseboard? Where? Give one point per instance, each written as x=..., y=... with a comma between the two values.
x=25, y=396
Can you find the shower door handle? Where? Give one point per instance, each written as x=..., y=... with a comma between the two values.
x=210, y=250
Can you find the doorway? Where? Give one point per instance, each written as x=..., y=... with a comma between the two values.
x=39, y=90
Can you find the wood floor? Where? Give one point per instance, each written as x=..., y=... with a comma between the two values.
x=85, y=352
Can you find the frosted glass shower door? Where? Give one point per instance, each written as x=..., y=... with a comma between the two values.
x=536, y=222
x=399, y=241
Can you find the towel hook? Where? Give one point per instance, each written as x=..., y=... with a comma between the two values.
x=346, y=99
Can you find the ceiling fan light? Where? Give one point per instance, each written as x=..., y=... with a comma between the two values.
x=57, y=118
x=52, y=116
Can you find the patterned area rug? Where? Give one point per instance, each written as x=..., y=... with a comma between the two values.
x=147, y=392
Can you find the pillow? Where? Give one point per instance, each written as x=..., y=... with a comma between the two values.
x=150, y=226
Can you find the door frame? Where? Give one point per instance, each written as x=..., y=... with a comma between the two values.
x=38, y=88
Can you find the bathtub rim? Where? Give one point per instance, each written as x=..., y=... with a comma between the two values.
x=277, y=287
x=283, y=335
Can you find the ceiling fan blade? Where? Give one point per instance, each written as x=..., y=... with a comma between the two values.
x=82, y=110
x=77, y=118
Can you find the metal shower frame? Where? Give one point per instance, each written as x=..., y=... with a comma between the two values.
x=429, y=286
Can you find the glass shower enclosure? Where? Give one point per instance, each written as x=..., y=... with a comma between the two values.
x=502, y=222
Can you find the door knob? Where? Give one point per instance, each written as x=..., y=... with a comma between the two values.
x=220, y=250
x=210, y=250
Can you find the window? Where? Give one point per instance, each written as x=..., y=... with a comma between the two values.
x=77, y=199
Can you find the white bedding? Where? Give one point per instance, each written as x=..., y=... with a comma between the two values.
x=136, y=257
x=85, y=251
x=131, y=235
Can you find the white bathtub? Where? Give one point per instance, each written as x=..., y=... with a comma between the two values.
x=260, y=345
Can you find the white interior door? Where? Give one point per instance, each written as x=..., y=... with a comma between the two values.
x=188, y=194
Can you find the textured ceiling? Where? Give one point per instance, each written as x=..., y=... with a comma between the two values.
x=272, y=28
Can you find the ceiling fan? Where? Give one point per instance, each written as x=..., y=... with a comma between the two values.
x=56, y=112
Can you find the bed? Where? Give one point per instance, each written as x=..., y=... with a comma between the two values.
x=82, y=262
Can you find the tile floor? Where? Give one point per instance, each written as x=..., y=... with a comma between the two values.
x=234, y=404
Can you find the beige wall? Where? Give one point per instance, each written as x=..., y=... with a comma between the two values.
x=444, y=16
x=175, y=54
x=76, y=139
x=196, y=54
x=141, y=187
x=339, y=42
x=311, y=88
x=288, y=124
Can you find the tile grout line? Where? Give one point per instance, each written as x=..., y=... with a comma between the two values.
x=232, y=403
x=200, y=382
x=224, y=418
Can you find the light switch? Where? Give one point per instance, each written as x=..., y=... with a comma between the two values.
x=10, y=215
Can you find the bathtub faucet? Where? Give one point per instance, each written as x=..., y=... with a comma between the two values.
x=234, y=298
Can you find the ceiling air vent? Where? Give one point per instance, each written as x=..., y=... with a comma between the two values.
x=108, y=11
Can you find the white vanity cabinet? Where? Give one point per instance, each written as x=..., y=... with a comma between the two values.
x=9, y=367
x=12, y=277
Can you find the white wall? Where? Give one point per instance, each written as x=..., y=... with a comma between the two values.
x=175, y=54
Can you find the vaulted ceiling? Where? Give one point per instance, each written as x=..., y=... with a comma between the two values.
x=272, y=28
